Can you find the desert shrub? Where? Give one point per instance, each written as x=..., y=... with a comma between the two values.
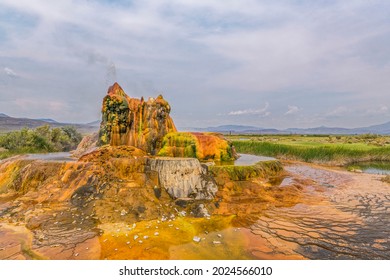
x=41, y=139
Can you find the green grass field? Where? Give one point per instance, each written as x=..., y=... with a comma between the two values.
x=335, y=150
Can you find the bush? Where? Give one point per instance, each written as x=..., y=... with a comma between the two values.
x=41, y=139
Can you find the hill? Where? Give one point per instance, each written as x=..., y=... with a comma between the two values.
x=8, y=124
x=383, y=129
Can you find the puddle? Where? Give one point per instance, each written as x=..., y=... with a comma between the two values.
x=246, y=160
x=372, y=167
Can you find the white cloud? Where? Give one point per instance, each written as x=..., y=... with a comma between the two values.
x=9, y=72
x=262, y=111
x=292, y=110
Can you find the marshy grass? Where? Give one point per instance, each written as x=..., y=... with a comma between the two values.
x=336, y=153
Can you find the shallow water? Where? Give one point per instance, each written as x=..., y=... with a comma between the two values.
x=246, y=160
x=349, y=220
x=61, y=156
x=373, y=167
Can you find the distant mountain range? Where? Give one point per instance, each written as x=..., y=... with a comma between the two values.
x=241, y=129
x=8, y=123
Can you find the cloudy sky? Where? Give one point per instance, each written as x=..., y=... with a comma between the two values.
x=296, y=63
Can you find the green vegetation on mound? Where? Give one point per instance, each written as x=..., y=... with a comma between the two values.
x=42, y=139
x=204, y=146
x=263, y=169
x=180, y=144
x=338, y=150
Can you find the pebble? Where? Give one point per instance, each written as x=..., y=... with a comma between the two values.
x=128, y=242
x=76, y=254
x=215, y=242
x=156, y=234
x=196, y=239
x=136, y=237
x=219, y=235
x=146, y=237
x=182, y=213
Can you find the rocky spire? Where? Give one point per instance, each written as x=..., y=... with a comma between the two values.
x=134, y=122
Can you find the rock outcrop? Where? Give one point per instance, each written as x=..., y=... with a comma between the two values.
x=134, y=122
x=184, y=177
x=88, y=144
x=204, y=146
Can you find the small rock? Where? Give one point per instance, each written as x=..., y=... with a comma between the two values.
x=123, y=212
x=76, y=254
x=136, y=237
x=196, y=239
x=128, y=242
x=215, y=242
x=146, y=237
x=156, y=234
x=182, y=213
x=201, y=211
x=219, y=235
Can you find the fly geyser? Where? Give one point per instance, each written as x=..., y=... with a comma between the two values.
x=134, y=122
x=148, y=126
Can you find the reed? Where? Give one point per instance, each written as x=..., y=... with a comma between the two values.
x=338, y=154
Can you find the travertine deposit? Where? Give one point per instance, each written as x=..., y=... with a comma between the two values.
x=134, y=122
